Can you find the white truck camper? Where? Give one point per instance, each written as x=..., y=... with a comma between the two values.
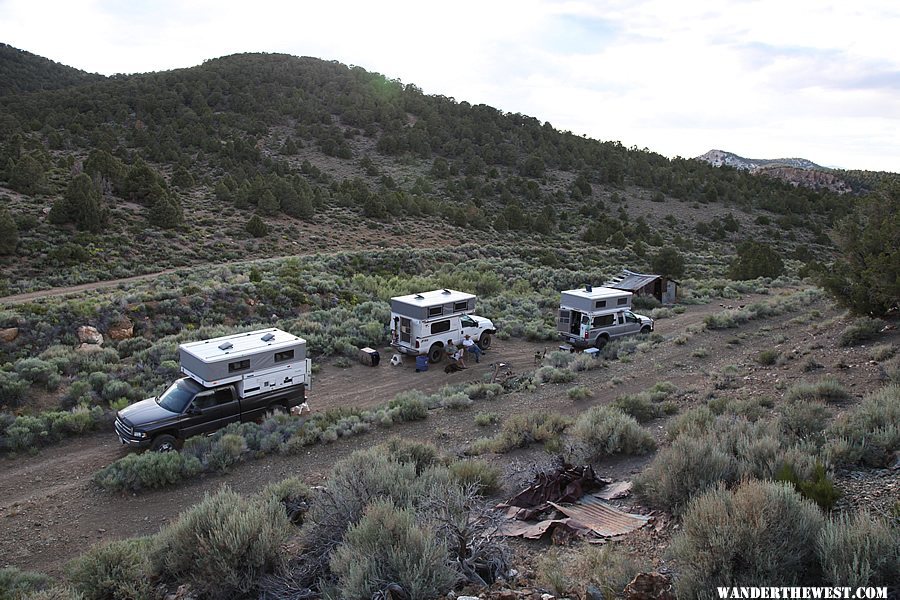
x=421, y=324
x=592, y=316
x=257, y=362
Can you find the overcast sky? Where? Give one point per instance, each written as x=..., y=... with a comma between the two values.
x=770, y=79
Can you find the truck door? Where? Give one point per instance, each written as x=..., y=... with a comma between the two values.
x=632, y=323
x=584, y=327
x=211, y=410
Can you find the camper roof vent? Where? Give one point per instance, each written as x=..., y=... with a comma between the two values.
x=226, y=346
x=446, y=291
x=420, y=297
x=588, y=288
x=268, y=337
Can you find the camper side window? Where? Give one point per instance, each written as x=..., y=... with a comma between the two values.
x=604, y=321
x=622, y=301
x=600, y=304
x=284, y=355
x=440, y=327
x=461, y=305
x=435, y=311
x=241, y=365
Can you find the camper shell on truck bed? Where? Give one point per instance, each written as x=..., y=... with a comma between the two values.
x=434, y=304
x=592, y=300
x=256, y=361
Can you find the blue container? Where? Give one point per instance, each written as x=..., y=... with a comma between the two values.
x=421, y=363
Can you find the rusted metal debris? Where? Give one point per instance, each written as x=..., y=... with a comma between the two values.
x=569, y=503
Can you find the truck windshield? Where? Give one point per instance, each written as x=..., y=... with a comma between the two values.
x=176, y=398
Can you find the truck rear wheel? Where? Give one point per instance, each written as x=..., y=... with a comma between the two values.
x=601, y=342
x=485, y=340
x=163, y=443
x=436, y=353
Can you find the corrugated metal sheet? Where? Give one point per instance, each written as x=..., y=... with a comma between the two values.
x=602, y=518
x=633, y=282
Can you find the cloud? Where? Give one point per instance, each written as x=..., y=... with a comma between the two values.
x=765, y=78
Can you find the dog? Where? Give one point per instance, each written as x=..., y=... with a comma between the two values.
x=452, y=368
x=539, y=356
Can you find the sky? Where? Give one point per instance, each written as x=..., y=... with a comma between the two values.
x=763, y=79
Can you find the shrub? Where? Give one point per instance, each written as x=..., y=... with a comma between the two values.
x=804, y=419
x=521, y=430
x=761, y=533
x=226, y=451
x=767, y=357
x=483, y=391
x=859, y=331
x=293, y=494
x=868, y=434
x=818, y=487
x=858, y=550
x=12, y=389
x=687, y=467
x=828, y=389
x=579, y=392
x=136, y=472
x=606, y=430
x=115, y=571
x=422, y=455
x=553, y=375
x=608, y=568
x=484, y=477
x=223, y=544
x=457, y=401
x=883, y=352
x=483, y=419
x=409, y=406
x=388, y=546
x=15, y=583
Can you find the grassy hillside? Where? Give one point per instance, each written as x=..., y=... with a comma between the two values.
x=330, y=157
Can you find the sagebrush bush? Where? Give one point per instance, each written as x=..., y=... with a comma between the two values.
x=860, y=330
x=483, y=419
x=409, y=406
x=293, y=494
x=15, y=583
x=115, y=571
x=828, y=389
x=762, y=533
x=579, y=392
x=859, y=550
x=388, y=546
x=483, y=391
x=472, y=472
x=136, y=472
x=804, y=419
x=523, y=429
x=604, y=431
x=422, y=455
x=548, y=374
x=222, y=545
x=767, y=357
x=648, y=404
x=869, y=433
x=608, y=568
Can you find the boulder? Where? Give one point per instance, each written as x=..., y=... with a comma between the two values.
x=89, y=335
x=122, y=330
x=9, y=334
x=649, y=586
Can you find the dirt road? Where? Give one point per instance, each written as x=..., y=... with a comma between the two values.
x=50, y=512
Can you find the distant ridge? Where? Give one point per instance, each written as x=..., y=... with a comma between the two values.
x=796, y=171
x=718, y=158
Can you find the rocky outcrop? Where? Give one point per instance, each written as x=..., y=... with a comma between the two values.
x=9, y=334
x=649, y=586
x=89, y=335
x=122, y=330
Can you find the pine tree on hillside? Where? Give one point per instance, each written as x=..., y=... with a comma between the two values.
x=166, y=212
x=9, y=233
x=26, y=175
x=257, y=227
x=81, y=205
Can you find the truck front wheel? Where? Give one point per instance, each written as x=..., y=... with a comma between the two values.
x=485, y=340
x=436, y=353
x=163, y=443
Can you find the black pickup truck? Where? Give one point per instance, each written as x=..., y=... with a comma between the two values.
x=187, y=408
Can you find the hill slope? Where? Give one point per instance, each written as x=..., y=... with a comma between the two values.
x=22, y=72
